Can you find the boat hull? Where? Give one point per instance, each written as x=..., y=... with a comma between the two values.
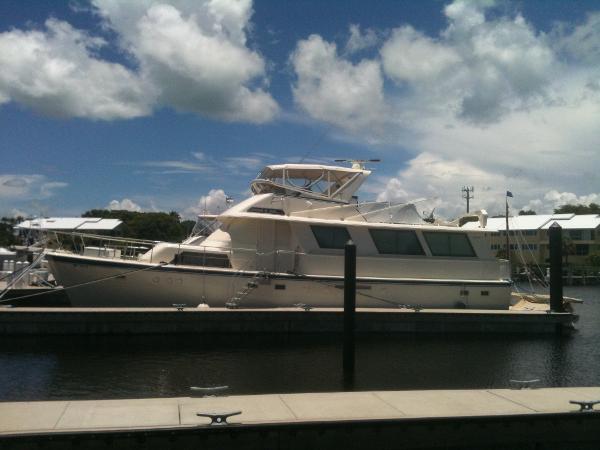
x=99, y=282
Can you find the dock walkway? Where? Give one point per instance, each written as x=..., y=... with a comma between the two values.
x=92, y=321
x=415, y=419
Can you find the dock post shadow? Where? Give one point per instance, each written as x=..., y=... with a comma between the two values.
x=349, y=314
x=556, y=280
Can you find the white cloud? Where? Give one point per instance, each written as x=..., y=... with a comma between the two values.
x=202, y=163
x=238, y=164
x=195, y=52
x=358, y=40
x=580, y=42
x=489, y=101
x=409, y=56
x=214, y=202
x=554, y=199
x=27, y=187
x=47, y=189
x=55, y=71
x=332, y=89
x=479, y=69
x=15, y=212
x=191, y=56
x=123, y=205
x=32, y=192
x=440, y=180
x=177, y=166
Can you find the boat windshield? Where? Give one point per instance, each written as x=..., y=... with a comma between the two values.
x=205, y=225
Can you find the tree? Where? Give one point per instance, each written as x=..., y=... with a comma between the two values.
x=527, y=212
x=568, y=248
x=592, y=208
x=501, y=254
x=7, y=237
x=594, y=259
x=155, y=226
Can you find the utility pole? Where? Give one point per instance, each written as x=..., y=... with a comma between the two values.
x=467, y=192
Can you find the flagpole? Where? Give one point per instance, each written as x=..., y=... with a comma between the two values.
x=508, y=240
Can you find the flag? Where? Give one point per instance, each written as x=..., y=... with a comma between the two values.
x=509, y=194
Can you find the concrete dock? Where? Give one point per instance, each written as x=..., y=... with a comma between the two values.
x=498, y=418
x=93, y=321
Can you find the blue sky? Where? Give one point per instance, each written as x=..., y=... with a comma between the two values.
x=171, y=105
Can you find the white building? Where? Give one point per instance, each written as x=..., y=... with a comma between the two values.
x=528, y=236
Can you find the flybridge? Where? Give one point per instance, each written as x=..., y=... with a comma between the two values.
x=310, y=180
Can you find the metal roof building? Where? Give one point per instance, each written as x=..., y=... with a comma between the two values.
x=540, y=222
x=69, y=224
x=528, y=236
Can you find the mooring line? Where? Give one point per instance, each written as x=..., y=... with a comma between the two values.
x=85, y=283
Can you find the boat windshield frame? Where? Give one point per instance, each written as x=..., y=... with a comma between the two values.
x=318, y=182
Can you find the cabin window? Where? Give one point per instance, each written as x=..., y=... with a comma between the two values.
x=202, y=259
x=255, y=209
x=449, y=244
x=330, y=237
x=397, y=242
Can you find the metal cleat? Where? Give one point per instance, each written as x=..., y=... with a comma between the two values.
x=219, y=418
x=523, y=384
x=232, y=305
x=179, y=306
x=304, y=306
x=208, y=391
x=585, y=406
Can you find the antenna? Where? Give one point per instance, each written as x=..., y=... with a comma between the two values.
x=467, y=192
x=429, y=218
x=358, y=163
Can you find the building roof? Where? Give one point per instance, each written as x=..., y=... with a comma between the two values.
x=540, y=222
x=69, y=223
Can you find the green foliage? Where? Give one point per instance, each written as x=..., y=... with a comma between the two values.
x=155, y=226
x=7, y=238
x=592, y=208
x=594, y=259
x=568, y=248
x=527, y=212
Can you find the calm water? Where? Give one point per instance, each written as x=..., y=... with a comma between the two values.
x=127, y=367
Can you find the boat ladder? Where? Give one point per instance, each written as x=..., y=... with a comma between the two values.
x=234, y=302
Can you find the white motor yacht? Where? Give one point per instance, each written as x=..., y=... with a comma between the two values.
x=284, y=246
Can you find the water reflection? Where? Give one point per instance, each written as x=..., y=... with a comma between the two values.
x=154, y=366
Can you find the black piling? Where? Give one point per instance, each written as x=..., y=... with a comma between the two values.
x=556, y=279
x=349, y=312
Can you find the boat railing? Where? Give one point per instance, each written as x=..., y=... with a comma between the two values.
x=114, y=247
x=98, y=245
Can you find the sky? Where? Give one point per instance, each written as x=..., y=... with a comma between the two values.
x=173, y=105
